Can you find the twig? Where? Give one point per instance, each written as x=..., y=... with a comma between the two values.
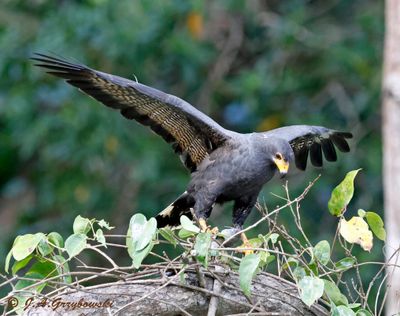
x=395, y=254
x=212, y=308
x=296, y=200
x=114, y=265
x=200, y=276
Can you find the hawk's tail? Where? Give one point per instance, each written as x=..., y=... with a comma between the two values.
x=171, y=215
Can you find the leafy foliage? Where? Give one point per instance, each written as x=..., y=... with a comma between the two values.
x=356, y=231
x=140, y=236
x=311, y=289
x=342, y=194
x=375, y=222
x=75, y=244
x=317, y=274
x=247, y=270
x=322, y=252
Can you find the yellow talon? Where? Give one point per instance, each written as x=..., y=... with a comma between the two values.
x=214, y=230
x=205, y=228
x=203, y=225
x=246, y=244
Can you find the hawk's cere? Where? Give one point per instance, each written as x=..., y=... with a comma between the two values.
x=224, y=165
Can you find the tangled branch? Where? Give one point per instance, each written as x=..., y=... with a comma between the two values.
x=209, y=276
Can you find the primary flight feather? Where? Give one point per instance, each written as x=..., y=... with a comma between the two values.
x=224, y=165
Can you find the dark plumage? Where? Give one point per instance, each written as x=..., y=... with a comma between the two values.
x=224, y=165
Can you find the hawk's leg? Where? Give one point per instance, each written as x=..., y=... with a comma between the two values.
x=202, y=210
x=205, y=228
x=241, y=211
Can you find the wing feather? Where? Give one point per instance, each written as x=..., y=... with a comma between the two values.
x=193, y=134
x=312, y=141
x=316, y=154
x=328, y=149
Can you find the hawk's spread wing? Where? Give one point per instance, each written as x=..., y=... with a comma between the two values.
x=306, y=139
x=192, y=134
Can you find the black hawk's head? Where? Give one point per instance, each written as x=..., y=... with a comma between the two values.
x=280, y=154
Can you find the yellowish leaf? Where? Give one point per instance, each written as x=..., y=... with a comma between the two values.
x=111, y=144
x=356, y=231
x=194, y=23
x=82, y=194
x=270, y=122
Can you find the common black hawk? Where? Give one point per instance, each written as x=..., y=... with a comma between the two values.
x=224, y=165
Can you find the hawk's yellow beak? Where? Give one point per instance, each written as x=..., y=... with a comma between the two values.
x=283, y=166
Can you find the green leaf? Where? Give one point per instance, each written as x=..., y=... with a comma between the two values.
x=311, y=288
x=103, y=224
x=8, y=259
x=265, y=258
x=183, y=233
x=310, y=250
x=333, y=293
x=22, y=297
x=334, y=310
x=45, y=268
x=75, y=244
x=56, y=239
x=100, y=237
x=148, y=233
x=18, y=265
x=21, y=284
x=24, y=245
x=291, y=262
x=270, y=259
x=136, y=227
x=361, y=213
x=375, y=222
x=270, y=237
x=44, y=247
x=313, y=267
x=345, y=263
x=168, y=235
x=188, y=225
x=299, y=273
x=139, y=256
x=63, y=268
x=202, y=246
x=353, y=305
x=322, y=252
x=136, y=224
x=140, y=233
x=256, y=242
x=140, y=238
x=342, y=194
x=356, y=231
x=247, y=270
x=81, y=225
x=342, y=311
x=273, y=237
x=363, y=312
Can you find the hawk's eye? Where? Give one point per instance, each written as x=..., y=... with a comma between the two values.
x=278, y=156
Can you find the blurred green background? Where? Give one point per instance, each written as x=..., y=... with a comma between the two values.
x=251, y=65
